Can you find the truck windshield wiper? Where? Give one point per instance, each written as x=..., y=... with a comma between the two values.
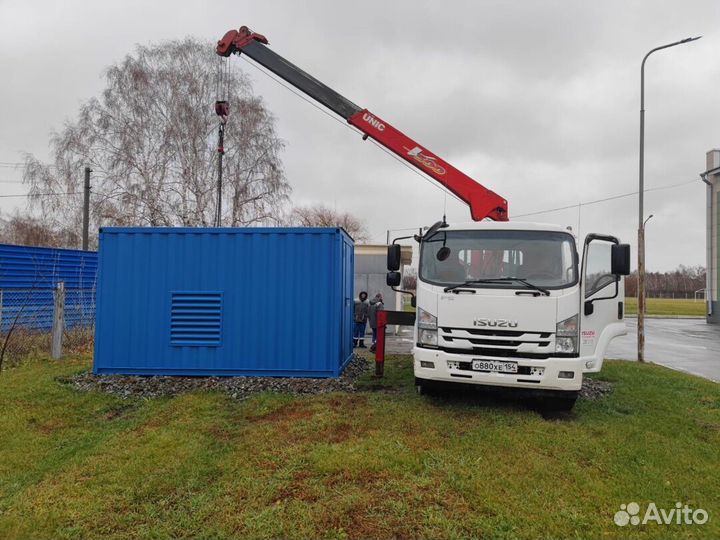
x=499, y=280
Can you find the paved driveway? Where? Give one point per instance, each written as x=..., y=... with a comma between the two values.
x=688, y=345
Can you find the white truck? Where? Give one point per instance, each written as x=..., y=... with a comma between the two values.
x=498, y=303
x=516, y=305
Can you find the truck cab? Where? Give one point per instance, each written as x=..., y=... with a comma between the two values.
x=516, y=305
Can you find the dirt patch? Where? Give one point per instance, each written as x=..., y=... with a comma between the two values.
x=292, y=412
x=129, y=386
x=46, y=427
x=337, y=434
x=298, y=489
x=117, y=412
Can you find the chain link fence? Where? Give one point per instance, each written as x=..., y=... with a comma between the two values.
x=28, y=317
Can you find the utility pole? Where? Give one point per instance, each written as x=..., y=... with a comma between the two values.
x=641, y=193
x=86, y=209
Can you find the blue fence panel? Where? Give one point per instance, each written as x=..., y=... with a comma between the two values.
x=32, y=309
x=28, y=278
x=27, y=267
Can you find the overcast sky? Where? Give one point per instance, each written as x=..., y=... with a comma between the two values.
x=537, y=100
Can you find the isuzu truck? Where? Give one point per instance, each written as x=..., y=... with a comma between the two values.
x=499, y=302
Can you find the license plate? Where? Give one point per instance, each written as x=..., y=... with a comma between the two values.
x=495, y=365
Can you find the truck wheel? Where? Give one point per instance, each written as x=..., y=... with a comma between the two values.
x=423, y=387
x=560, y=403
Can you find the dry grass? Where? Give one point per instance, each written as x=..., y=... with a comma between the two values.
x=374, y=464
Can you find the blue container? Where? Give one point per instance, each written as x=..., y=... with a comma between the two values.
x=256, y=301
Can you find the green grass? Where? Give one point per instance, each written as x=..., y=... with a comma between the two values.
x=668, y=307
x=380, y=463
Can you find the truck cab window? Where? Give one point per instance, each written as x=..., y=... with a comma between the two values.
x=545, y=258
x=597, y=267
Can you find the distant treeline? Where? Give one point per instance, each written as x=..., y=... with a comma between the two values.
x=682, y=282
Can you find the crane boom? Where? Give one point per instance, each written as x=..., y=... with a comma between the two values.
x=483, y=202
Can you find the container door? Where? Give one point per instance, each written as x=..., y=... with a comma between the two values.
x=348, y=261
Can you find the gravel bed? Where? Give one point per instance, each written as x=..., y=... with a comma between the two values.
x=131, y=386
x=593, y=389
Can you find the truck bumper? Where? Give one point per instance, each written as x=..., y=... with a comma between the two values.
x=544, y=374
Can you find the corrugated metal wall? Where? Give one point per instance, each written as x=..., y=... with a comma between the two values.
x=28, y=276
x=26, y=267
x=258, y=301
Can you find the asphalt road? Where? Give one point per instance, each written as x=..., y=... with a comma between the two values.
x=688, y=345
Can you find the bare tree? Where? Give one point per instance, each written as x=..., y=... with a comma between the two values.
x=322, y=216
x=32, y=231
x=409, y=279
x=679, y=283
x=151, y=140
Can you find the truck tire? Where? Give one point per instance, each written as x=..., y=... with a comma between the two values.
x=423, y=387
x=560, y=403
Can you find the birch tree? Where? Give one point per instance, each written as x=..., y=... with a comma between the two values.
x=151, y=141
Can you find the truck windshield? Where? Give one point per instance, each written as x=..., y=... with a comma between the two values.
x=546, y=259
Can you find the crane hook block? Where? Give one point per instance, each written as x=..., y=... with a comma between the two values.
x=222, y=108
x=234, y=40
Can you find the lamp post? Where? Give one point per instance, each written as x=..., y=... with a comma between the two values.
x=641, y=223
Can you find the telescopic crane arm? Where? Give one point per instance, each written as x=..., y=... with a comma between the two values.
x=483, y=202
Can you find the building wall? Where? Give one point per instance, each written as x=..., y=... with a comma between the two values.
x=371, y=273
x=713, y=237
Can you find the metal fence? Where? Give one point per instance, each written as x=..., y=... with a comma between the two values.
x=36, y=322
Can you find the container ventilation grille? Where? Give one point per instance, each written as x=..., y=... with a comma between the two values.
x=196, y=318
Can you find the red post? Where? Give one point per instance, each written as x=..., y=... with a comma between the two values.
x=380, y=344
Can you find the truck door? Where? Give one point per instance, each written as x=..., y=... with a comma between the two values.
x=602, y=298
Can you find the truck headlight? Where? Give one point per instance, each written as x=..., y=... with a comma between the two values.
x=426, y=320
x=427, y=328
x=428, y=337
x=566, y=335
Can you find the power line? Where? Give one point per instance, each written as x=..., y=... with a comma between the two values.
x=21, y=165
x=596, y=201
x=41, y=195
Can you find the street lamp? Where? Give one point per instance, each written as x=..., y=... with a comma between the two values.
x=641, y=223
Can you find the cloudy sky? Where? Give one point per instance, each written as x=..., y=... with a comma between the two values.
x=537, y=100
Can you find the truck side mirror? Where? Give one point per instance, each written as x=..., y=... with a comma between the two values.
x=620, y=259
x=393, y=279
x=393, y=258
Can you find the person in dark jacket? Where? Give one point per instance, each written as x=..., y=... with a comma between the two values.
x=360, y=318
x=376, y=304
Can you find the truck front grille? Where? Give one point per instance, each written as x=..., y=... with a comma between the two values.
x=495, y=343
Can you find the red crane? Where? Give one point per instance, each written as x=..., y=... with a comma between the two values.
x=483, y=202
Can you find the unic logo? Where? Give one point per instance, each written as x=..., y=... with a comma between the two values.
x=374, y=122
x=629, y=514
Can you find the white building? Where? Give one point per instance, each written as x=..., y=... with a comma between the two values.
x=711, y=177
x=371, y=271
